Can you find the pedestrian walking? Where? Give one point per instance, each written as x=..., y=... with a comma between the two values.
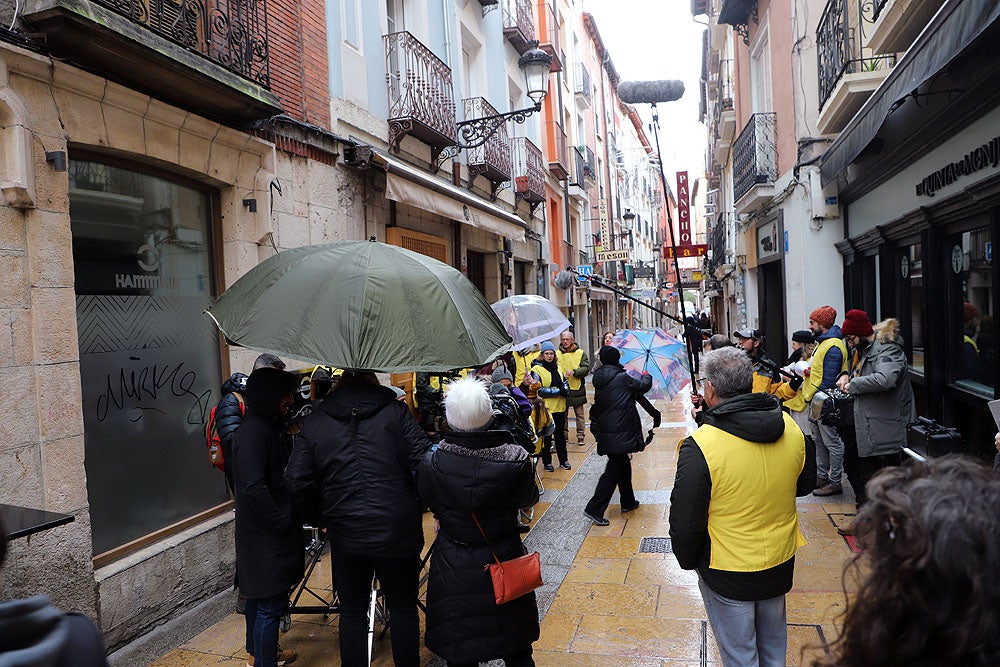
x=576, y=366
x=358, y=453
x=618, y=431
x=268, y=531
x=732, y=510
x=554, y=390
x=828, y=362
x=879, y=383
x=476, y=475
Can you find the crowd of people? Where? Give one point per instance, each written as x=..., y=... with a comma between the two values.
x=360, y=466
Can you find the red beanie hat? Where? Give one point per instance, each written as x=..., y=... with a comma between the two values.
x=969, y=312
x=825, y=316
x=856, y=323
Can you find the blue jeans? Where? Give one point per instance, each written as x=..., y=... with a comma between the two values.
x=748, y=633
x=262, y=617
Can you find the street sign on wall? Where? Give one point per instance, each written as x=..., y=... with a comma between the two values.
x=613, y=256
x=584, y=271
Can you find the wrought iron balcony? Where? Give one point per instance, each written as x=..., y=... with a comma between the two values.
x=519, y=24
x=589, y=162
x=755, y=154
x=840, y=50
x=421, y=102
x=207, y=56
x=582, y=86
x=491, y=159
x=579, y=168
x=717, y=242
x=529, y=172
x=550, y=41
x=559, y=163
x=896, y=23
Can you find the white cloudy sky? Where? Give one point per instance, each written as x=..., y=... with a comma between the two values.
x=652, y=40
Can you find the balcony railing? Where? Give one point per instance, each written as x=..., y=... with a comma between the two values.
x=839, y=46
x=579, y=167
x=755, y=154
x=492, y=159
x=589, y=162
x=419, y=86
x=717, y=242
x=230, y=33
x=551, y=42
x=582, y=81
x=568, y=255
x=518, y=24
x=559, y=163
x=529, y=171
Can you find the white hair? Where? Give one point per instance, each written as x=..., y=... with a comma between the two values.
x=467, y=405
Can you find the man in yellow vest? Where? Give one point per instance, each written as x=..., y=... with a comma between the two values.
x=576, y=365
x=828, y=362
x=732, y=510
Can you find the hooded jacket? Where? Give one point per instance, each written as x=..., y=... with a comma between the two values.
x=33, y=632
x=485, y=473
x=883, y=397
x=732, y=508
x=356, y=456
x=268, y=531
x=613, y=418
x=229, y=416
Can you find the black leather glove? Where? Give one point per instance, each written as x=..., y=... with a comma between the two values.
x=796, y=382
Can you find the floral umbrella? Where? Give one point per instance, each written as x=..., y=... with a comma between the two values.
x=659, y=353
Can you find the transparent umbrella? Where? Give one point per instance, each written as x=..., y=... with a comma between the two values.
x=530, y=319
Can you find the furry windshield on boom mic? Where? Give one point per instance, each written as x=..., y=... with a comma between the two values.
x=650, y=92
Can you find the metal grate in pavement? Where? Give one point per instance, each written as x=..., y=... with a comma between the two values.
x=655, y=545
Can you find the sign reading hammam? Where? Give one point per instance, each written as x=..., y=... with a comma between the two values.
x=987, y=155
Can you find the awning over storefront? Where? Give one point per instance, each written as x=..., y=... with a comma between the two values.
x=411, y=186
x=601, y=294
x=956, y=25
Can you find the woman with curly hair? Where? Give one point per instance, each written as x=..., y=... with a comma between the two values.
x=931, y=542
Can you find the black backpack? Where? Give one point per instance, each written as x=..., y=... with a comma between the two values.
x=507, y=417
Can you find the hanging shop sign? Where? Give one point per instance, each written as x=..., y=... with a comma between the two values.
x=613, y=256
x=698, y=250
x=683, y=209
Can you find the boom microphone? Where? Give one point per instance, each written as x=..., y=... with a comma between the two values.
x=650, y=92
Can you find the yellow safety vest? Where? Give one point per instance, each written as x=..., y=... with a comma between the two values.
x=522, y=362
x=752, y=520
x=553, y=403
x=569, y=361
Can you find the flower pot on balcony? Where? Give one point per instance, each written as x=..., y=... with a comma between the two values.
x=520, y=184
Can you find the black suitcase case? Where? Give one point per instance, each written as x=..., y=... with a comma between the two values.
x=929, y=439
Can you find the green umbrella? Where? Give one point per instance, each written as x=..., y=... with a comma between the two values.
x=361, y=305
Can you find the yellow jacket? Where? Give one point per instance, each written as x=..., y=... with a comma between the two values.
x=553, y=403
x=522, y=362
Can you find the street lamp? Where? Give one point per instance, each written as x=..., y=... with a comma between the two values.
x=536, y=65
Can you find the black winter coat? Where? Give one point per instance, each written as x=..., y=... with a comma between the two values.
x=613, y=417
x=269, y=554
x=358, y=453
x=485, y=473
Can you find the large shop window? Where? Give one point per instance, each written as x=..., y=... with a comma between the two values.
x=970, y=257
x=149, y=357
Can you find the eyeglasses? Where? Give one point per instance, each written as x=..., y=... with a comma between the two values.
x=701, y=382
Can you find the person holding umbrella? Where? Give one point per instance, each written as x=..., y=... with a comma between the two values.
x=616, y=426
x=358, y=452
x=554, y=390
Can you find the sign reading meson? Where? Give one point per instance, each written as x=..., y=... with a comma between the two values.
x=987, y=155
